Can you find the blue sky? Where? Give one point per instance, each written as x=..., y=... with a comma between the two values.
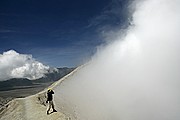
x=58, y=32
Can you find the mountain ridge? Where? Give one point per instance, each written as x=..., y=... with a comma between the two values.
x=21, y=83
x=33, y=107
x=23, y=87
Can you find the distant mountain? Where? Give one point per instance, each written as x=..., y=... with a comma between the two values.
x=23, y=83
x=55, y=75
x=14, y=83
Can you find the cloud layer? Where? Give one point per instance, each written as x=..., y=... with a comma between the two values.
x=137, y=77
x=15, y=65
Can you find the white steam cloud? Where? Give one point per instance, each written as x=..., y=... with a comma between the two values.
x=135, y=78
x=15, y=65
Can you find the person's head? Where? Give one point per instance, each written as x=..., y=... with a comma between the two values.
x=49, y=89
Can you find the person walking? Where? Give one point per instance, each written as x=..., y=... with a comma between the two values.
x=50, y=93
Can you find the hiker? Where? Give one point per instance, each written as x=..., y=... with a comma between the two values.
x=50, y=93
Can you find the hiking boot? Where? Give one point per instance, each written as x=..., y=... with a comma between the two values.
x=47, y=113
x=54, y=110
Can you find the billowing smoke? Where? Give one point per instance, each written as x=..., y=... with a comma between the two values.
x=15, y=65
x=137, y=77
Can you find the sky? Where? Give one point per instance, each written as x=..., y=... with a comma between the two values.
x=136, y=77
x=59, y=33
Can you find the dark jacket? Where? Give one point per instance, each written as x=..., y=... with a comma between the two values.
x=49, y=95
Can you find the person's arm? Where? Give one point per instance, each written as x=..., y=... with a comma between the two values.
x=47, y=98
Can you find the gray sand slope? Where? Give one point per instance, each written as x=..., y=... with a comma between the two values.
x=32, y=107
